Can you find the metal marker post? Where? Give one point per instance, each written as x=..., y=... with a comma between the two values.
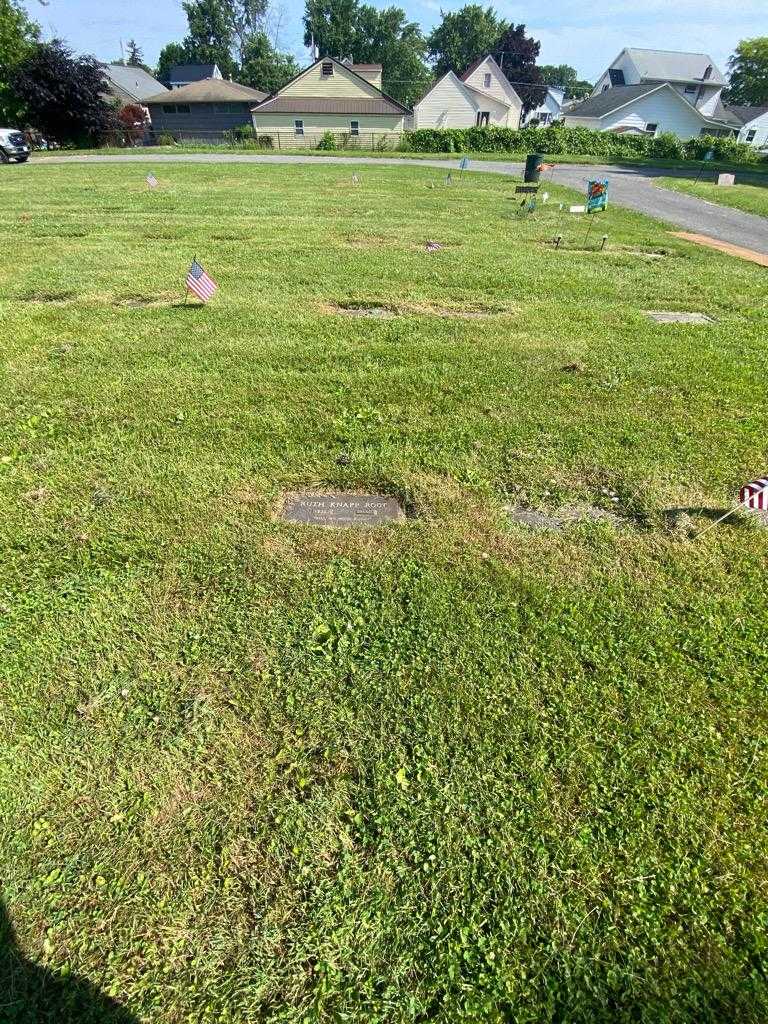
x=730, y=512
x=589, y=229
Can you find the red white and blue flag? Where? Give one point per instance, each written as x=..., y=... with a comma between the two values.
x=755, y=495
x=199, y=283
x=152, y=180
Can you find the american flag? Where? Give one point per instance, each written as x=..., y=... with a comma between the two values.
x=199, y=283
x=152, y=180
x=755, y=495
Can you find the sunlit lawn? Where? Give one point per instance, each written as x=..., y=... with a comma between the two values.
x=447, y=770
x=750, y=198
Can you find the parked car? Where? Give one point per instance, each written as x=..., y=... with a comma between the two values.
x=13, y=146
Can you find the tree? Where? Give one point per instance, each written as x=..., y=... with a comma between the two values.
x=516, y=54
x=331, y=25
x=748, y=78
x=133, y=121
x=211, y=35
x=248, y=19
x=135, y=56
x=18, y=36
x=171, y=55
x=463, y=36
x=567, y=78
x=388, y=38
x=63, y=94
x=264, y=67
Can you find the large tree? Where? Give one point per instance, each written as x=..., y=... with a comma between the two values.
x=463, y=36
x=211, y=35
x=388, y=38
x=748, y=78
x=248, y=19
x=264, y=67
x=63, y=95
x=331, y=25
x=18, y=36
x=567, y=78
x=516, y=54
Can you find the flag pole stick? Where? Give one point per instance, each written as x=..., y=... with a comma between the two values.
x=730, y=512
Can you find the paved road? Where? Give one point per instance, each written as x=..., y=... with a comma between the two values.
x=631, y=187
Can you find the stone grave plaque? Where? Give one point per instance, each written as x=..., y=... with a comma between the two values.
x=663, y=316
x=726, y=179
x=341, y=509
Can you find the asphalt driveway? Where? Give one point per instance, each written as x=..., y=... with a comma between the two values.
x=631, y=187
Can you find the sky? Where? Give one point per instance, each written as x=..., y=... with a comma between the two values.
x=587, y=34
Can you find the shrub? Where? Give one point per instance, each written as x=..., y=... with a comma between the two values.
x=165, y=139
x=666, y=147
x=328, y=141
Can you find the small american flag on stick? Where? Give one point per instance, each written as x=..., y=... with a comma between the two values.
x=152, y=180
x=754, y=495
x=199, y=283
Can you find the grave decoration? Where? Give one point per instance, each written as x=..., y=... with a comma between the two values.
x=199, y=283
x=597, y=196
x=726, y=179
x=463, y=164
x=342, y=509
x=753, y=497
x=151, y=180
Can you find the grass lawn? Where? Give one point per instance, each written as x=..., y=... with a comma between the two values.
x=750, y=198
x=448, y=770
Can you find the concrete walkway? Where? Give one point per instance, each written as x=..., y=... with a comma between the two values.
x=631, y=187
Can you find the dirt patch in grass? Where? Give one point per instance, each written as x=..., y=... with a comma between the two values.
x=143, y=301
x=568, y=515
x=51, y=296
x=371, y=241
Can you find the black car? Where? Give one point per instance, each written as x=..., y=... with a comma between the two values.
x=13, y=146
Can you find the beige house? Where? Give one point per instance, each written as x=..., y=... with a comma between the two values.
x=481, y=96
x=331, y=96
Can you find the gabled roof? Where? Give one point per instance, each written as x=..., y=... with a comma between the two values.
x=485, y=95
x=745, y=114
x=276, y=103
x=135, y=82
x=192, y=72
x=489, y=60
x=210, y=90
x=622, y=95
x=673, y=66
x=473, y=67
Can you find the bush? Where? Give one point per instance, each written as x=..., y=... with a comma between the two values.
x=558, y=139
x=165, y=139
x=328, y=141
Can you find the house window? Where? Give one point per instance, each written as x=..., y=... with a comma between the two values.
x=327, y=68
x=298, y=127
x=616, y=76
x=486, y=81
x=751, y=134
x=544, y=117
x=169, y=108
x=606, y=88
x=354, y=127
x=689, y=89
x=227, y=108
x=651, y=127
x=175, y=108
x=483, y=116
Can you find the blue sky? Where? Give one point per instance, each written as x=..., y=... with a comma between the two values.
x=584, y=33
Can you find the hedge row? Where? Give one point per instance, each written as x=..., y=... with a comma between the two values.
x=556, y=138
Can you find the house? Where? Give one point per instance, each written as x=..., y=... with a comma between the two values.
x=331, y=96
x=204, y=110
x=550, y=109
x=184, y=74
x=753, y=123
x=480, y=96
x=129, y=84
x=655, y=91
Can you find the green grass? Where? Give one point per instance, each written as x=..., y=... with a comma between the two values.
x=448, y=770
x=750, y=198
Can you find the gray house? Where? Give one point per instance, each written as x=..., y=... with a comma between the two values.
x=129, y=84
x=203, y=110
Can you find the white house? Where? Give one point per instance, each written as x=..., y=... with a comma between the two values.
x=481, y=96
x=754, y=125
x=550, y=109
x=653, y=91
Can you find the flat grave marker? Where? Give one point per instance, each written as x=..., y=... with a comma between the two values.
x=662, y=316
x=341, y=509
x=726, y=179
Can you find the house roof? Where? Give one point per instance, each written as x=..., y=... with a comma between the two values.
x=745, y=114
x=485, y=95
x=210, y=90
x=366, y=67
x=300, y=103
x=192, y=72
x=136, y=82
x=610, y=100
x=328, y=105
x=472, y=67
x=674, y=66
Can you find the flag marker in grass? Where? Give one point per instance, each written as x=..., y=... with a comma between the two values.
x=152, y=180
x=199, y=283
x=752, y=496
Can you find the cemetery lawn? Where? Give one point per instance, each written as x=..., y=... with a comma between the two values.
x=749, y=198
x=447, y=770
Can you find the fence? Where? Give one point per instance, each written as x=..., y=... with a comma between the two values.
x=248, y=139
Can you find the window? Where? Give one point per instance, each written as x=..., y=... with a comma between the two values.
x=327, y=68
x=354, y=127
x=487, y=81
x=653, y=128
x=606, y=88
x=175, y=108
x=227, y=108
x=298, y=127
x=690, y=89
x=169, y=108
x=483, y=116
x=544, y=117
x=616, y=76
x=751, y=134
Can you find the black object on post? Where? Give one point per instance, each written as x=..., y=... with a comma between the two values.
x=532, y=167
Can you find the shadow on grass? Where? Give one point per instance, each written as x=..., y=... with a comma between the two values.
x=34, y=995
